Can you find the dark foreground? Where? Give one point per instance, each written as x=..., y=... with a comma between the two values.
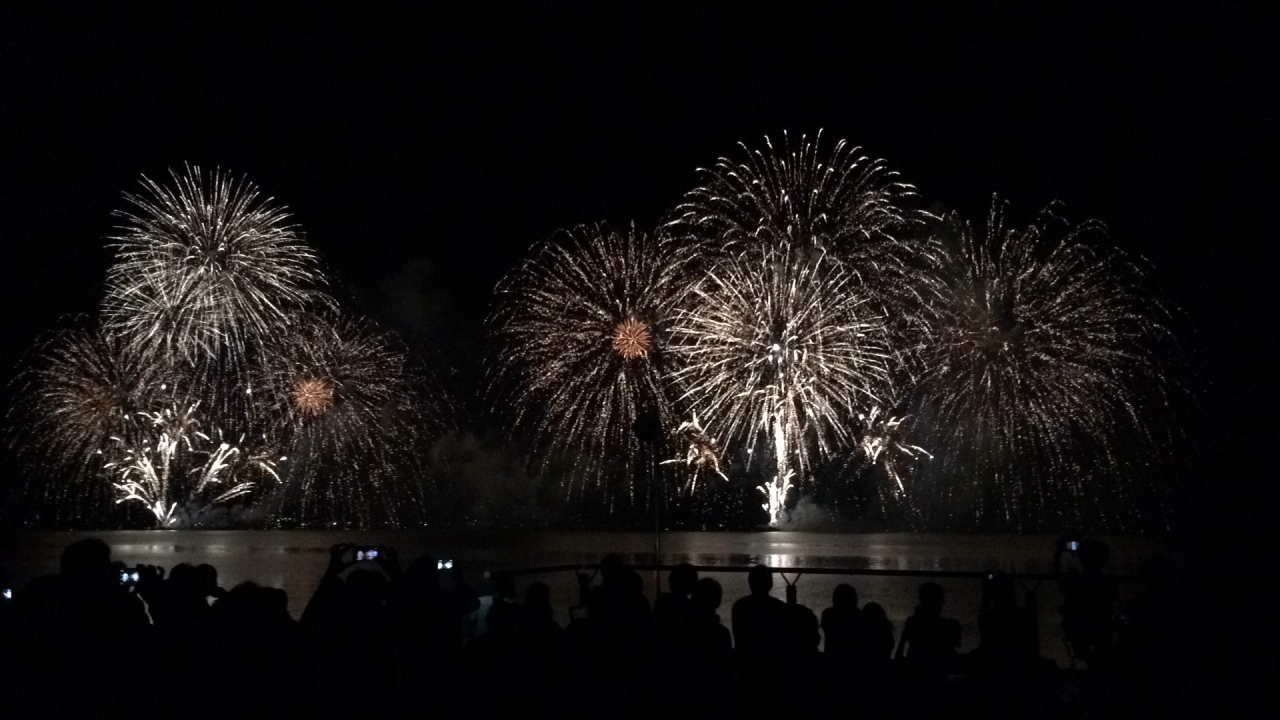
x=390, y=639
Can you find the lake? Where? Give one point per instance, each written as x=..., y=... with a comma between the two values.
x=295, y=561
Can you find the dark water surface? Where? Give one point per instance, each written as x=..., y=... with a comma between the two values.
x=295, y=561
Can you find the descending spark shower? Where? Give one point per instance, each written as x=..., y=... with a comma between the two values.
x=790, y=317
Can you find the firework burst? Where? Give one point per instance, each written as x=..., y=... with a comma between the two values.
x=702, y=452
x=1038, y=350
x=782, y=346
x=103, y=426
x=165, y=462
x=798, y=195
x=581, y=328
x=81, y=388
x=74, y=397
x=346, y=410
x=204, y=268
x=883, y=444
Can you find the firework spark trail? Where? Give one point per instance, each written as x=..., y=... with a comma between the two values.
x=1037, y=343
x=882, y=444
x=348, y=410
x=204, y=268
x=581, y=328
x=782, y=346
x=163, y=460
x=702, y=452
x=795, y=195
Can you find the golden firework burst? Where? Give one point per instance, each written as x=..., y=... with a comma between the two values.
x=631, y=338
x=313, y=396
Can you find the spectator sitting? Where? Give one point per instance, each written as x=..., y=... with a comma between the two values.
x=929, y=641
x=840, y=623
x=759, y=619
x=672, y=611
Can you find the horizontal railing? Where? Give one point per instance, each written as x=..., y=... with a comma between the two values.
x=872, y=572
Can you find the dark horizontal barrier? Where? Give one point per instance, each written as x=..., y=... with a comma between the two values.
x=956, y=574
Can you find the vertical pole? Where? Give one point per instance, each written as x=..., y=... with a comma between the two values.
x=657, y=540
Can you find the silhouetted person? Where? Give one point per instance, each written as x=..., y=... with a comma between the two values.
x=436, y=603
x=709, y=655
x=671, y=611
x=872, y=642
x=840, y=623
x=759, y=619
x=706, y=631
x=1003, y=642
x=537, y=619
x=620, y=613
x=73, y=629
x=544, y=675
x=1088, y=599
x=496, y=657
x=760, y=634
x=357, y=632
x=929, y=641
x=618, y=639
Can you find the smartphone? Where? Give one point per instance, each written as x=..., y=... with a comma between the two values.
x=1073, y=545
x=8, y=593
x=128, y=577
x=444, y=564
x=366, y=553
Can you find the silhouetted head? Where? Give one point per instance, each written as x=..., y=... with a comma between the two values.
x=1093, y=554
x=367, y=587
x=537, y=595
x=611, y=567
x=423, y=573
x=87, y=560
x=872, y=612
x=707, y=594
x=207, y=578
x=760, y=580
x=844, y=596
x=256, y=605
x=682, y=579
x=932, y=596
x=183, y=574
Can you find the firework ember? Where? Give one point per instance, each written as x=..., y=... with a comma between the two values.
x=312, y=396
x=631, y=339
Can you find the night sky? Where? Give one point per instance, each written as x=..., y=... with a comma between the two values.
x=424, y=150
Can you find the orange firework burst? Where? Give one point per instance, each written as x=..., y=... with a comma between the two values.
x=631, y=338
x=312, y=396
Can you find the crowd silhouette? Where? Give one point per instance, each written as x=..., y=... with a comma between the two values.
x=380, y=639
